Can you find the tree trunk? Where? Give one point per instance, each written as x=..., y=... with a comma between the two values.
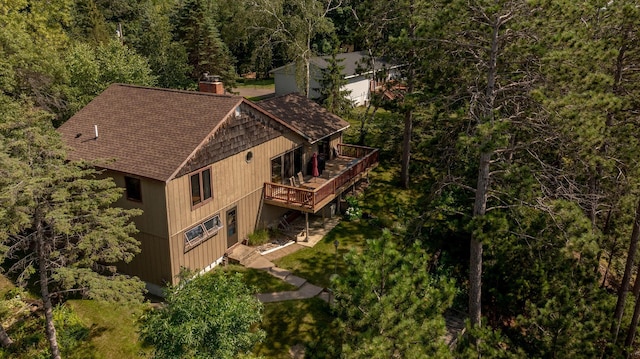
x=631, y=333
x=605, y=276
x=482, y=185
x=408, y=115
x=363, y=122
x=5, y=340
x=406, y=148
x=626, y=278
x=408, y=129
x=475, y=260
x=44, y=291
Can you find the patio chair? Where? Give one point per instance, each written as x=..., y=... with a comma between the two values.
x=300, y=178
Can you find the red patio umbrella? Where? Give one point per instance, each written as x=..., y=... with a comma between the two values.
x=314, y=165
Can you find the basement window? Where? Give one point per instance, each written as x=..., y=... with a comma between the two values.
x=200, y=233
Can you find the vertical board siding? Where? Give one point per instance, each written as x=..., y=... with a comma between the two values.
x=236, y=183
x=154, y=218
x=152, y=264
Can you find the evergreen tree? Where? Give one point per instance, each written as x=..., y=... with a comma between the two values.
x=167, y=56
x=195, y=26
x=58, y=227
x=333, y=96
x=389, y=305
x=89, y=24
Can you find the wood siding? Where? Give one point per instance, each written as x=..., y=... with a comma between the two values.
x=153, y=263
x=239, y=133
x=154, y=218
x=236, y=183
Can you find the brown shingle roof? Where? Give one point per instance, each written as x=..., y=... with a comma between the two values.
x=306, y=117
x=148, y=132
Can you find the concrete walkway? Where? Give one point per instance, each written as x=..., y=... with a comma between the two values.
x=305, y=290
x=250, y=258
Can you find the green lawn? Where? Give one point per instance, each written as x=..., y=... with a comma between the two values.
x=112, y=330
x=261, y=280
x=103, y=330
x=300, y=322
x=255, y=83
x=383, y=200
x=318, y=264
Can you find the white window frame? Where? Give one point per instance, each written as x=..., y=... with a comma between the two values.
x=202, y=232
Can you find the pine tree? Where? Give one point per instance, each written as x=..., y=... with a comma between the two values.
x=195, y=26
x=389, y=305
x=57, y=223
x=333, y=96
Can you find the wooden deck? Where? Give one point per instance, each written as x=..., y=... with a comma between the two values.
x=352, y=164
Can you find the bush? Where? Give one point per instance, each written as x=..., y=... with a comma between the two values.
x=353, y=212
x=71, y=331
x=259, y=237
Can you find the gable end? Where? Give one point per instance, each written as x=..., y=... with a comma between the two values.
x=237, y=134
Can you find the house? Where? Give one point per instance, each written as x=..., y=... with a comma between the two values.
x=209, y=169
x=360, y=81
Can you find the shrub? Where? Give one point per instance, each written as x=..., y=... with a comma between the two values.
x=353, y=212
x=259, y=237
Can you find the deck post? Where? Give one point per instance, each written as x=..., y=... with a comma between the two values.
x=306, y=224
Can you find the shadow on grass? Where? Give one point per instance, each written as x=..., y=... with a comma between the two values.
x=260, y=280
x=319, y=263
x=383, y=201
x=304, y=322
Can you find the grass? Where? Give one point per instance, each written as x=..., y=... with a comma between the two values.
x=259, y=237
x=91, y=330
x=99, y=330
x=383, y=199
x=261, y=280
x=299, y=322
x=112, y=330
x=318, y=264
x=256, y=83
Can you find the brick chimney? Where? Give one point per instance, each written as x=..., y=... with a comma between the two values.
x=211, y=84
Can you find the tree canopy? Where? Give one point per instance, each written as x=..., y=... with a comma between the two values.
x=209, y=316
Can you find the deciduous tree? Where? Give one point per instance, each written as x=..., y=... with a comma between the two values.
x=295, y=25
x=210, y=316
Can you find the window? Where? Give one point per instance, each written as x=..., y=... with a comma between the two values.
x=201, y=187
x=132, y=185
x=286, y=165
x=276, y=170
x=202, y=232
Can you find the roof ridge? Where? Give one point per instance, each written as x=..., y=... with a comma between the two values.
x=175, y=90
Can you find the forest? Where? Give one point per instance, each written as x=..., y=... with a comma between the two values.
x=516, y=123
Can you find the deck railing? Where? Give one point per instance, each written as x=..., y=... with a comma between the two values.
x=363, y=159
